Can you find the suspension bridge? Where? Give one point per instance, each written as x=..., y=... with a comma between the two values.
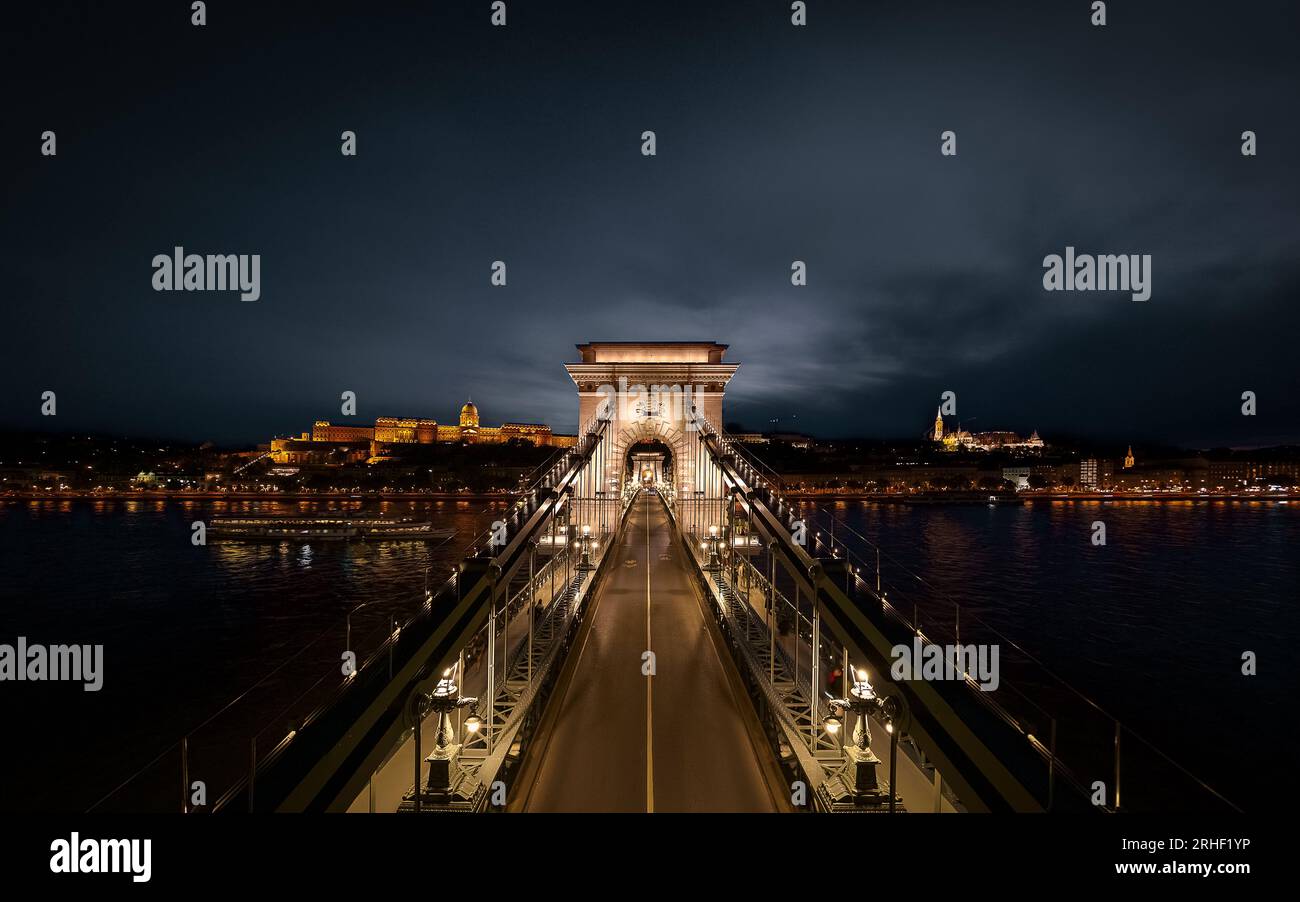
x=654, y=626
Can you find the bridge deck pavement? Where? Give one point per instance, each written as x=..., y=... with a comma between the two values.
x=685, y=739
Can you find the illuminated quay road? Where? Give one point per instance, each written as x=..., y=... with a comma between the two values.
x=685, y=739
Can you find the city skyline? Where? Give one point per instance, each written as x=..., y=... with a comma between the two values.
x=784, y=425
x=924, y=272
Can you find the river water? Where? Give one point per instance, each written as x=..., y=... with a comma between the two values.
x=1152, y=625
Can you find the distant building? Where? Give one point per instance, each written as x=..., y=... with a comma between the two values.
x=324, y=431
x=1017, y=475
x=405, y=431
x=793, y=439
x=1088, y=473
x=472, y=431
x=468, y=421
x=1105, y=473
x=537, y=433
x=1236, y=474
x=1128, y=459
x=334, y=444
x=963, y=440
x=307, y=452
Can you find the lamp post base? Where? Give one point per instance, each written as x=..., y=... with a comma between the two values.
x=861, y=773
x=839, y=796
x=461, y=793
x=857, y=788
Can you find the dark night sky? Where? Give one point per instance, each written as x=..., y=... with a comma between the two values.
x=775, y=143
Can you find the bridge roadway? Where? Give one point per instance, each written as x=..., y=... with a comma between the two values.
x=685, y=739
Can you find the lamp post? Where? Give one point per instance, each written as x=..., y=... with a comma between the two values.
x=711, y=545
x=896, y=714
x=863, y=702
x=444, y=770
x=585, y=545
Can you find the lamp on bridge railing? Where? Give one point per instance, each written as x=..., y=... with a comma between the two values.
x=444, y=784
x=710, y=545
x=865, y=703
x=586, y=545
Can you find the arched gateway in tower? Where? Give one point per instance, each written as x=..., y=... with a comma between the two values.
x=650, y=389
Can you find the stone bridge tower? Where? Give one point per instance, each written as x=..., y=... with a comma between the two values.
x=652, y=387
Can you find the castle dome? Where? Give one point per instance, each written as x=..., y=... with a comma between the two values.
x=469, y=416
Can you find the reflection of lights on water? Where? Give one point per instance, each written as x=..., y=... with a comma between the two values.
x=304, y=556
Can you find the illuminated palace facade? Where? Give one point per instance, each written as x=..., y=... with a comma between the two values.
x=336, y=443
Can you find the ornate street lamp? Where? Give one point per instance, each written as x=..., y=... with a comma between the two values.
x=586, y=545
x=443, y=785
x=710, y=545
x=865, y=703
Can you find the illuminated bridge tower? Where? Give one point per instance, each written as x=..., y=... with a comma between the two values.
x=651, y=390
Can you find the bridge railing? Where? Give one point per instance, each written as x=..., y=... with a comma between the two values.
x=505, y=669
x=1082, y=741
x=544, y=476
x=1078, y=740
x=805, y=669
x=227, y=748
x=488, y=676
x=502, y=536
x=773, y=639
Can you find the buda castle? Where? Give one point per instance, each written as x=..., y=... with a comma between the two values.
x=335, y=443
